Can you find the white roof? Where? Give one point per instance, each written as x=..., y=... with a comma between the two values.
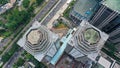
x=105, y=63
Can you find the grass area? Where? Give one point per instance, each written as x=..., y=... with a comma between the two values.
x=59, y=24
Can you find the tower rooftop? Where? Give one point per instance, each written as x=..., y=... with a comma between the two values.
x=34, y=36
x=88, y=38
x=39, y=41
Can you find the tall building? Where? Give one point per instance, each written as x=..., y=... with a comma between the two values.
x=83, y=9
x=107, y=19
x=103, y=14
x=86, y=43
x=83, y=43
x=39, y=42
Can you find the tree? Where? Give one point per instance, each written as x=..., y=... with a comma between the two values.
x=20, y=62
x=4, y=1
x=8, y=54
x=26, y=3
x=39, y=2
x=11, y=25
x=5, y=57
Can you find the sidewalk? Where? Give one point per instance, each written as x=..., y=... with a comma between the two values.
x=60, y=12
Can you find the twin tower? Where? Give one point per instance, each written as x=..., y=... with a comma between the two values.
x=84, y=41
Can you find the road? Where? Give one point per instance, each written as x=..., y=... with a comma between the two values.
x=15, y=56
x=60, y=12
x=40, y=15
x=46, y=10
x=53, y=12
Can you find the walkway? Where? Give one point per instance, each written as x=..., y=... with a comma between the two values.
x=57, y=15
x=62, y=48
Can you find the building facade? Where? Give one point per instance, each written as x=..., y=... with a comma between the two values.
x=83, y=9
x=83, y=43
x=39, y=42
x=107, y=19
x=86, y=43
x=106, y=16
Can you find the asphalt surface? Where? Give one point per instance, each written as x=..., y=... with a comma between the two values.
x=16, y=55
x=51, y=15
x=45, y=10
x=39, y=16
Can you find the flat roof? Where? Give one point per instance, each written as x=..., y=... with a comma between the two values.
x=104, y=62
x=113, y=4
x=85, y=7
